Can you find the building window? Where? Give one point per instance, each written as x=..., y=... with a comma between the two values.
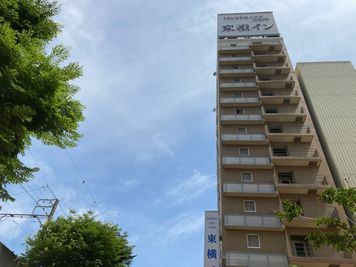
x=244, y=152
x=271, y=110
x=301, y=247
x=249, y=206
x=286, y=177
x=280, y=151
x=240, y=111
x=241, y=130
x=238, y=95
x=246, y=177
x=253, y=241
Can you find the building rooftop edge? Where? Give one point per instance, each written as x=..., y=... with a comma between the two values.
x=245, y=13
x=324, y=62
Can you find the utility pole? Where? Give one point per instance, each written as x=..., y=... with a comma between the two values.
x=44, y=209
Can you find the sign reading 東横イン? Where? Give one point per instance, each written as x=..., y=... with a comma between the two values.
x=247, y=24
x=211, y=239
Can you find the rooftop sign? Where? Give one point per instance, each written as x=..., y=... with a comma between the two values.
x=247, y=24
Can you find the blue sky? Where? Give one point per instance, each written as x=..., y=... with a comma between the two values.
x=148, y=151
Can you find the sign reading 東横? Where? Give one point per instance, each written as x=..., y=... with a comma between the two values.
x=247, y=24
x=211, y=239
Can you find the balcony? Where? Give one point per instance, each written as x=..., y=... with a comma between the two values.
x=253, y=222
x=240, y=102
x=303, y=255
x=235, y=60
x=268, y=69
x=309, y=217
x=238, y=259
x=268, y=57
x=247, y=162
x=273, y=98
x=275, y=83
x=237, y=72
x=250, y=190
x=238, y=86
x=244, y=139
x=234, y=48
x=242, y=119
x=289, y=134
x=284, y=114
x=288, y=183
x=267, y=46
x=283, y=157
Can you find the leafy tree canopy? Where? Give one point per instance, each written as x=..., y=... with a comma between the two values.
x=344, y=236
x=36, y=97
x=76, y=241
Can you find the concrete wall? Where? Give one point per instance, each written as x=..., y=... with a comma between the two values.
x=330, y=91
x=7, y=257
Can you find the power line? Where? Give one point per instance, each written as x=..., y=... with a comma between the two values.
x=83, y=182
x=47, y=184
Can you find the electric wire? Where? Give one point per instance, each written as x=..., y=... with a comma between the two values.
x=84, y=183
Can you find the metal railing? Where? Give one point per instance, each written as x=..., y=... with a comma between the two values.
x=264, y=221
x=255, y=259
x=246, y=160
x=279, y=93
x=234, y=47
x=285, y=152
x=301, y=179
x=298, y=110
x=233, y=58
x=251, y=117
x=239, y=100
x=288, y=130
x=243, y=137
x=282, y=78
x=304, y=250
x=237, y=84
x=237, y=71
x=250, y=188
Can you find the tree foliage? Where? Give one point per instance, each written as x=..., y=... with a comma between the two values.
x=344, y=236
x=76, y=241
x=36, y=96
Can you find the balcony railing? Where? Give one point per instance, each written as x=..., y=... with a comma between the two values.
x=304, y=253
x=238, y=119
x=253, y=221
x=255, y=259
x=283, y=152
x=289, y=134
x=236, y=71
x=289, y=130
x=236, y=59
x=250, y=188
x=243, y=137
x=246, y=161
x=239, y=100
x=232, y=85
x=284, y=114
x=319, y=180
x=291, y=184
x=233, y=47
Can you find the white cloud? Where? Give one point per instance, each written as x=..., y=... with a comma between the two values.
x=182, y=227
x=188, y=189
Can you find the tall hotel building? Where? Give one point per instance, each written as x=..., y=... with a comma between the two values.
x=267, y=151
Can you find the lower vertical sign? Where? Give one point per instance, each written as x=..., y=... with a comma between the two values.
x=211, y=239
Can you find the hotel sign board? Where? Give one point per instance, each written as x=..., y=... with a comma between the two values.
x=247, y=25
x=211, y=239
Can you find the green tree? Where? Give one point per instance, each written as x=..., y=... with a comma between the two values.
x=76, y=241
x=36, y=96
x=344, y=236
